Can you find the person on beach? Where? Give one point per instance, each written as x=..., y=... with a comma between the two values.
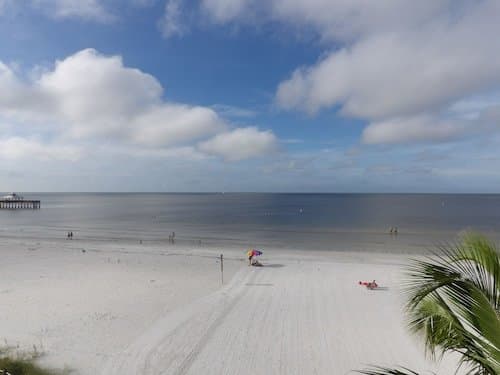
x=369, y=284
x=250, y=259
x=372, y=285
x=256, y=263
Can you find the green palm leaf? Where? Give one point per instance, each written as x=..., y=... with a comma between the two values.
x=388, y=371
x=453, y=302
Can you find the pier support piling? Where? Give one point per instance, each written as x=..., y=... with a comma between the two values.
x=19, y=204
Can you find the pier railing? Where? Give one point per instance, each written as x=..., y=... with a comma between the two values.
x=16, y=204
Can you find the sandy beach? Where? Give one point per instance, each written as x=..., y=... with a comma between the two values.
x=112, y=308
x=147, y=145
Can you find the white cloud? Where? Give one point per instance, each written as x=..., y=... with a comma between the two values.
x=394, y=75
x=471, y=108
x=188, y=153
x=414, y=129
x=16, y=96
x=404, y=73
x=89, y=95
x=15, y=148
x=384, y=60
x=172, y=124
x=239, y=144
x=226, y=10
x=86, y=9
x=9, y=83
x=95, y=98
x=435, y=128
x=172, y=22
x=332, y=19
x=93, y=94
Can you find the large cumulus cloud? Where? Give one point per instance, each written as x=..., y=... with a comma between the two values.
x=240, y=144
x=94, y=98
x=387, y=62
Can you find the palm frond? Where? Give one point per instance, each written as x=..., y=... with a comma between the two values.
x=433, y=319
x=453, y=302
x=387, y=371
x=482, y=261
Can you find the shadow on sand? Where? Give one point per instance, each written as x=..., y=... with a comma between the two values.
x=273, y=265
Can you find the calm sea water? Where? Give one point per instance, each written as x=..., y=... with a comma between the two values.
x=342, y=222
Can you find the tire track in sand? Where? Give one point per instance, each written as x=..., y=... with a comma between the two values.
x=191, y=357
x=167, y=346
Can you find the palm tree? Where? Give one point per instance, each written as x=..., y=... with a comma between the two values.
x=454, y=304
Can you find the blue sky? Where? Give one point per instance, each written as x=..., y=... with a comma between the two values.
x=249, y=95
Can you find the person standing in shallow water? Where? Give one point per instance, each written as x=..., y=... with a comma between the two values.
x=171, y=237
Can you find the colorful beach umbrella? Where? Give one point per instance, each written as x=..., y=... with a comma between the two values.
x=253, y=253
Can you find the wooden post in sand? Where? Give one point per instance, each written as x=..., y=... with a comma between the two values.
x=222, y=269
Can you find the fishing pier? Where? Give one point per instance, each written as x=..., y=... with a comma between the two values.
x=18, y=204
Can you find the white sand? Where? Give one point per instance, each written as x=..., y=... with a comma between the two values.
x=141, y=310
x=80, y=308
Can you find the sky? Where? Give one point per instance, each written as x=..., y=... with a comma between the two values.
x=250, y=95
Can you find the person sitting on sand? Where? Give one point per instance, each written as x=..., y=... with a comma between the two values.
x=369, y=284
x=372, y=285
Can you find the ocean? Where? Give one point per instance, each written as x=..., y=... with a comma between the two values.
x=340, y=222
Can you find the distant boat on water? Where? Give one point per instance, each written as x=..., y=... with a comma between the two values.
x=12, y=197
